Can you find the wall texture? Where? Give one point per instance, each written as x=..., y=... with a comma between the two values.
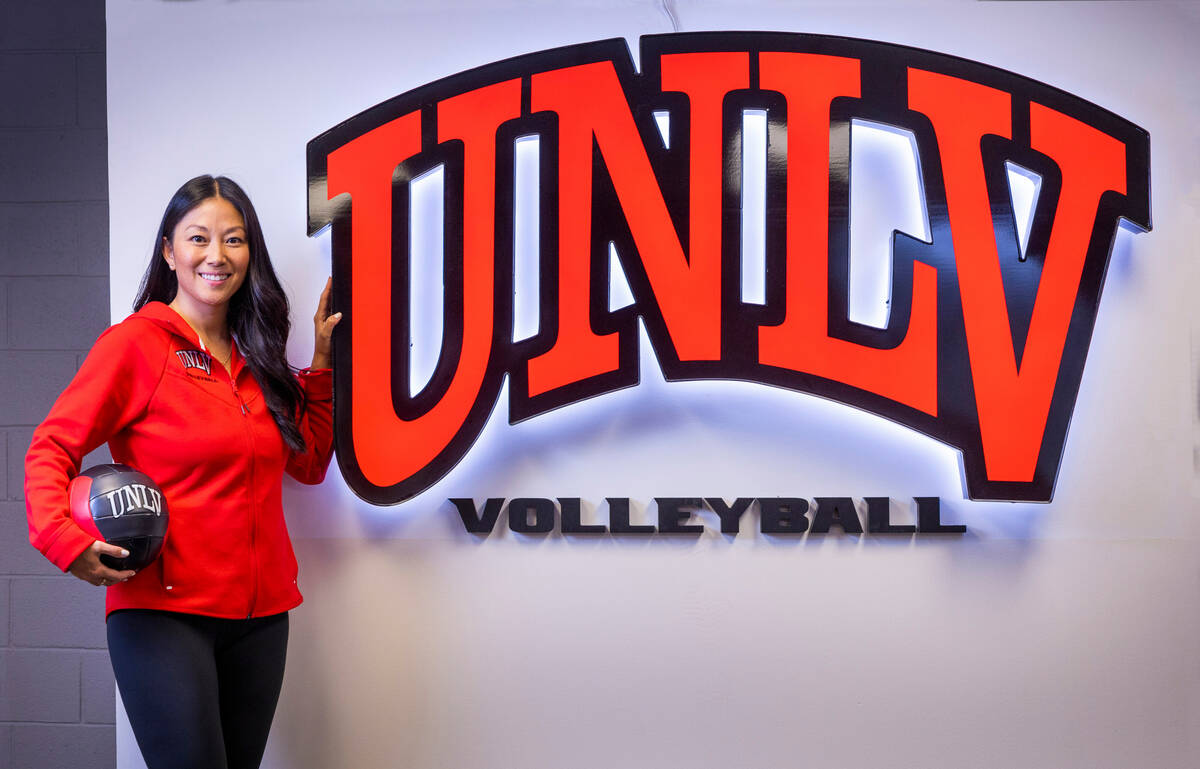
x=56, y=686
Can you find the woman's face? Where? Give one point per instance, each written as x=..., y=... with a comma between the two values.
x=210, y=256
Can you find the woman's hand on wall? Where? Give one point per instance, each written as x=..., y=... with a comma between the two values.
x=323, y=324
x=89, y=568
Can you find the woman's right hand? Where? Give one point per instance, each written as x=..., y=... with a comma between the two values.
x=89, y=568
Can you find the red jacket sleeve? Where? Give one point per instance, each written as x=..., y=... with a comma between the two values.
x=111, y=389
x=316, y=425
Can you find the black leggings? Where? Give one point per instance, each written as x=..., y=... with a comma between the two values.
x=199, y=691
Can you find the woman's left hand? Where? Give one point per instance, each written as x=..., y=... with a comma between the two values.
x=323, y=324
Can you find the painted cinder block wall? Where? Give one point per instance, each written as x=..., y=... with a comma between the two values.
x=56, y=686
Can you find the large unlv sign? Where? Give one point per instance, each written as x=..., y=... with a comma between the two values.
x=983, y=349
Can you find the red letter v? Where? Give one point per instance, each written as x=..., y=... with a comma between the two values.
x=1013, y=403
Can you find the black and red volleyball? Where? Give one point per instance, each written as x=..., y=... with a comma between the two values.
x=123, y=507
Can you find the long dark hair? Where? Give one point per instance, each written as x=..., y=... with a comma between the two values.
x=258, y=312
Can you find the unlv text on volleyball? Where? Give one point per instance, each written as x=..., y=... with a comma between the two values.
x=985, y=343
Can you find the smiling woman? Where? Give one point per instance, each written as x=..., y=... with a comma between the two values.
x=209, y=256
x=195, y=391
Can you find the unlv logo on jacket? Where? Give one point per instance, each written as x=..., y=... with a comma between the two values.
x=195, y=359
x=983, y=350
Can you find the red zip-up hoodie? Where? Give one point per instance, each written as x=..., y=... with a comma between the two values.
x=206, y=437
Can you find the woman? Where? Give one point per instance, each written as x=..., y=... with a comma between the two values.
x=194, y=390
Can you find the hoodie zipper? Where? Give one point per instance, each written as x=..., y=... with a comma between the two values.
x=253, y=514
x=178, y=325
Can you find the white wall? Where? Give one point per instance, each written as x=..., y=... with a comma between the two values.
x=1056, y=635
